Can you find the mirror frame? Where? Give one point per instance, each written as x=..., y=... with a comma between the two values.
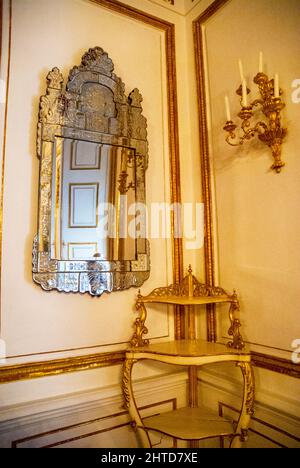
x=63, y=113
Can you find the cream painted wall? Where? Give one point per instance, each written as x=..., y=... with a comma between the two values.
x=258, y=226
x=72, y=321
x=80, y=320
x=34, y=321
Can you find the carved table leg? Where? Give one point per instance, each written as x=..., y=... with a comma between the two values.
x=130, y=403
x=247, y=407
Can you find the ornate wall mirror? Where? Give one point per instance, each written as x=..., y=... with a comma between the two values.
x=93, y=151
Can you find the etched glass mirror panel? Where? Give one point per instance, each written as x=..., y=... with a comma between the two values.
x=93, y=150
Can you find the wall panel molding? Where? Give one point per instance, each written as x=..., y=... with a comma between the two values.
x=46, y=368
x=276, y=364
x=275, y=419
x=4, y=131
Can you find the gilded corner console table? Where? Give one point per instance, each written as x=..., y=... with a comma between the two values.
x=192, y=423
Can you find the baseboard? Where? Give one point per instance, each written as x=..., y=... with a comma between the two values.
x=55, y=420
x=96, y=418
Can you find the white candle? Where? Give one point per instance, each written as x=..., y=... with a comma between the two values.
x=276, y=86
x=260, y=66
x=241, y=70
x=244, y=95
x=227, y=107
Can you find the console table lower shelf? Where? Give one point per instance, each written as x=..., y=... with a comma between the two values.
x=190, y=424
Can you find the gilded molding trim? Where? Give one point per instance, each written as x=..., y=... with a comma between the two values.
x=276, y=364
x=34, y=370
x=282, y=366
x=1, y=22
x=205, y=162
x=4, y=136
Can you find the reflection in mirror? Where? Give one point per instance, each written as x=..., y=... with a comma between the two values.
x=93, y=150
x=93, y=186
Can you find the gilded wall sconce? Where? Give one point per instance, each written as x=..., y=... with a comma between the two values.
x=269, y=131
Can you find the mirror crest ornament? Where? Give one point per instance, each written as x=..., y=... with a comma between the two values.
x=91, y=112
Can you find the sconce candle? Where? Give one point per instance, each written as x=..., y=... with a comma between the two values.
x=276, y=86
x=241, y=70
x=244, y=98
x=227, y=107
x=260, y=66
